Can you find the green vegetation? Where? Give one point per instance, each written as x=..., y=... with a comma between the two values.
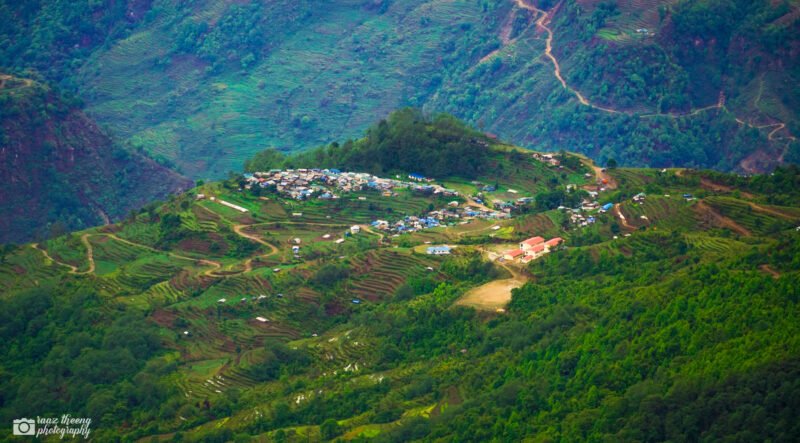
x=407, y=141
x=193, y=321
x=60, y=172
x=208, y=85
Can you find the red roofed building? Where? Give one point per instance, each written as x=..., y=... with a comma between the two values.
x=537, y=251
x=513, y=254
x=530, y=243
x=553, y=242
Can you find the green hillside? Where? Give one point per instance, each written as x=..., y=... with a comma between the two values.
x=233, y=312
x=60, y=172
x=208, y=84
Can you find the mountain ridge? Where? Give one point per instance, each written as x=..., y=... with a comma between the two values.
x=198, y=88
x=61, y=172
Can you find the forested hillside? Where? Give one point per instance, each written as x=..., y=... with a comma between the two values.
x=206, y=84
x=60, y=172
x=236, y=312
x=407, y=141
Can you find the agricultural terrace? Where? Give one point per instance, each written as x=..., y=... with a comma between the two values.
x=307, y=281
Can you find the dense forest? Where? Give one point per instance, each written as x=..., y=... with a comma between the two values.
x=407, y=141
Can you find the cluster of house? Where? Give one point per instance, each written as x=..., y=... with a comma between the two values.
x=303, y=184
x=531, y=249
x=509, y=205
x=454, y=213
x=550, y=159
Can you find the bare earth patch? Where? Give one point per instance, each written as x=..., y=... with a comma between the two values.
x=491, y=296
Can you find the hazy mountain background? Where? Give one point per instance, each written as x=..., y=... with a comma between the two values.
x=206, y=84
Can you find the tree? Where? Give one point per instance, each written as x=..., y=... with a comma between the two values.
x=329, y=429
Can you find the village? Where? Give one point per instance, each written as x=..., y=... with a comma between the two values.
x=332, y=184
x=326, y=184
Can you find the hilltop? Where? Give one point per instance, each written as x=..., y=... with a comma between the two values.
x=656, y=83
x=60, y=172
x=313, y=303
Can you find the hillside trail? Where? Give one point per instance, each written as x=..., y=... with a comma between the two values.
x=600, y=174
x=718, y=187
x=769, y=270
x=542, y=23
x=722, y=220
x=72, y=268
x=248, y=264
x=238, y=228
x=622, y=218
x=770, y=211
x=5, y=77
x=216, y=265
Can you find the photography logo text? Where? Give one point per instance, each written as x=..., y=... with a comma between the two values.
x=64, y=426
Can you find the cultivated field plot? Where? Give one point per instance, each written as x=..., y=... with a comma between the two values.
x=756, y=218
x=377, y=274
x=665, y=212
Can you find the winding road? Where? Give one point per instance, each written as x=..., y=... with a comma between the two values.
x=72, y=269
x=542, y=24
x=90, y=254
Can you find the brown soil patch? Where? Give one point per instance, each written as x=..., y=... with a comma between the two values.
x=709, y=215
x=491, y=296
x=768, y=269
x=718, y=187
x=164, y=318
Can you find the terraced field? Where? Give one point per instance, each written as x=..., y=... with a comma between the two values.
x=221, y=317
x=757, y=219
x=212, y=125
x=380, y=272
x=634, y=15
x=665, y=212
x=341, y=351
x=26, y=269
x=716, y=245
x=539, y=224
x=634, y=178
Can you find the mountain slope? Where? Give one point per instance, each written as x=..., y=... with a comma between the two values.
x=670, y=316
x=60, y=172
x=644, y=82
